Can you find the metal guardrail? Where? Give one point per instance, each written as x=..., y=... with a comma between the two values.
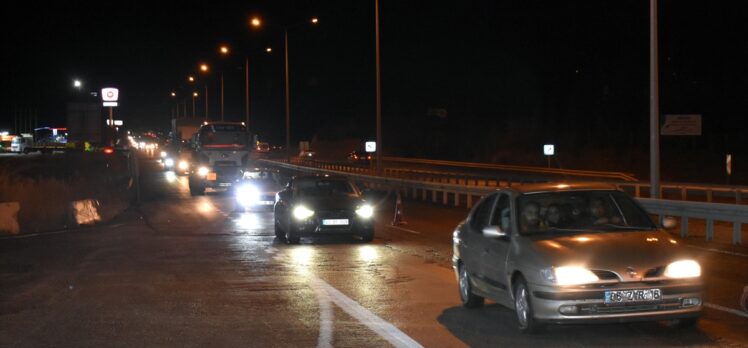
x=457, y=195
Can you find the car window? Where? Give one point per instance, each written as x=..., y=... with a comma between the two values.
x=323, y=187
x=482, y=213
x=502, y=213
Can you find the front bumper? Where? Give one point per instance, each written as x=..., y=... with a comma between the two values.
x=588, y=305
x=316, y=225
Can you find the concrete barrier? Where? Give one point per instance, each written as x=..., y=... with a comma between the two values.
x=9, y=217
x=85, y=212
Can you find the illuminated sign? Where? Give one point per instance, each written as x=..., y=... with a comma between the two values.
x=110, y=103
x=109, y=94
x=116, y=122
x=371, y=146
x=549, y=150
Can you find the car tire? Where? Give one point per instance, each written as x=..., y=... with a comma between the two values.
x=367, y=235
x=195, y=189
x=291, y=236
x=279, y=234
x=469, y=300
x=523, y=308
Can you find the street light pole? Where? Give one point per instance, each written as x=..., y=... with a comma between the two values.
x=221, y=96
x=654, y=104
x=379, y=92
x=288, y=97
x=194, y=95
x=206, y=101
x=246, y=90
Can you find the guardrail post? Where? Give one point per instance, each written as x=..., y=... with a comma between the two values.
x=738, y=198
x=709, y=229
x=684, y=227
x=433, y=196
x=423, y=194
x=709, y=196
x=737, y=233
x=683, y=193
x=469, y=201
x=637, y=190
x=445, y=197
x=457, y=199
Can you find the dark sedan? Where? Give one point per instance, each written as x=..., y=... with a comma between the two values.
x=312, y=205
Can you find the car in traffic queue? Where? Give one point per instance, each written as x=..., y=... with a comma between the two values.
x=176, y=158
x=258, y=188
x=313, y=205
x=573, y=254
x=360, y=157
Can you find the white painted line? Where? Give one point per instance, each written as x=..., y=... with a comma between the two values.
x=733, y=253
x=404, y=229
x=384, y=329
x=326, y=319
x=726, y=309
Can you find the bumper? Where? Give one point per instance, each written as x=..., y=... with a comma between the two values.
x=588, y=306
x=315, y=226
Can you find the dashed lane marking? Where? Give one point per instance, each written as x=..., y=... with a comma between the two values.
x=403, y=229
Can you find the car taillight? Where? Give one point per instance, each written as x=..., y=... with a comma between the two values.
x=108, y=150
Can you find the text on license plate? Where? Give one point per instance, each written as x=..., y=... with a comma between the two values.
x=335, y=222
x=212, y=176
x=624, y=296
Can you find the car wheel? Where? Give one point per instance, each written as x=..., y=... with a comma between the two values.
x=469, y=300
x=367, y=235
x=292, y=237
x=523, y=307
x=196, y=189
x=278, y=231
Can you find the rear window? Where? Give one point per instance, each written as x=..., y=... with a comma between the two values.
x=223, y=134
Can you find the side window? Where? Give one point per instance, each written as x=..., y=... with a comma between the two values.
x=502, y=214
x=482, y=213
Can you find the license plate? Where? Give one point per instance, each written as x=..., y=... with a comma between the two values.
x=212, y=176
x=267, y=202
x=335, y=222
x=625, y=296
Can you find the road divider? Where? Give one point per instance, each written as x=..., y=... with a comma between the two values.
x=9, y=217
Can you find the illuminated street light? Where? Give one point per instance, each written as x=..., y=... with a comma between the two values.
x=77, y=84
x=269, y=50
x=204, y=67
x=191, y=78
x=173, y=94
x=224, y=50
x=315, y=20
x=194, y=94
x=255, y=22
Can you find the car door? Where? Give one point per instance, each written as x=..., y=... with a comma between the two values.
x=495, y=250
x=473, y=241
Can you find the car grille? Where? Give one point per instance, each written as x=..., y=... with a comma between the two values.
x=605, y=275
x=629, y=308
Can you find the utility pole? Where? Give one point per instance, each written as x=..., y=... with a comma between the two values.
x=654, y=104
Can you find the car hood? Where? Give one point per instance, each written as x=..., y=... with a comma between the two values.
x=337, y=202
x=619, y=252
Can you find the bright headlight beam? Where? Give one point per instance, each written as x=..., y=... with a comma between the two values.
x=572, y=275
x=247, y=195
x=163, y=154
x=301, y=212
x=683, y=269
x=202, y=171
x=169, y=162
x=184, y=165
x=365, y=211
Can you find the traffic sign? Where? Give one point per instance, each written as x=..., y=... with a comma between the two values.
x=549, y=150
x=681, y=125
x=371, y=146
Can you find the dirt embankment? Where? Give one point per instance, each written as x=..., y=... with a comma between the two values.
x=44, y=186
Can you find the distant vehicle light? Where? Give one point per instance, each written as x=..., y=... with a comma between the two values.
x=169, y=162
x=163, y=154
x=247, y=195
x=108, y=150
x=184, y=165
x=202, y=171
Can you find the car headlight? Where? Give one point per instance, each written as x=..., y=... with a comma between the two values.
x=202, y=171
x=163, y=154
x=569, y=275
x=365, y=211
x=683, y=269
x=301, y=212
x=184, y=165
x=169, y=162
x=247, y=195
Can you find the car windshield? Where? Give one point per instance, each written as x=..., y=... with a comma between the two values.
x=323, y=187
x=223, y=134
x=580, y=212
x=262, y=178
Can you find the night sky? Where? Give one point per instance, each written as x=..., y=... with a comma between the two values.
x=460, y=79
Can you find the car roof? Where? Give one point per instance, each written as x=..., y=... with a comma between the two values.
x=563, y=187
x=319, y=176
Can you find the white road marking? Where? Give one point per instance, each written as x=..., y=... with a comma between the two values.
x=733, y=253
x=404, y=229
x=326, y=318
x=384, y=329
x=726, y=309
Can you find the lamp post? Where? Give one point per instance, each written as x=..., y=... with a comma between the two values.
x=204, y=68
x=654, y=105
x=379, y=91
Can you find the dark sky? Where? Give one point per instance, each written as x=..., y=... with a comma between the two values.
x=571, y=72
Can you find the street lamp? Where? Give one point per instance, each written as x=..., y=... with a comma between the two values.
x=77, y=84
x=314, y=21
x=191, y=78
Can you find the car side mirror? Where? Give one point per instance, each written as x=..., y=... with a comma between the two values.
x=494, y=232
x=669, y=222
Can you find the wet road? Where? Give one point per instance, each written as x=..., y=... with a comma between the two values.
x=195, y=271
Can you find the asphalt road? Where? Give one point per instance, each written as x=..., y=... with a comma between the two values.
x=195, y=271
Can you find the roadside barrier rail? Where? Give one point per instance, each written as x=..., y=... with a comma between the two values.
x=459, y=195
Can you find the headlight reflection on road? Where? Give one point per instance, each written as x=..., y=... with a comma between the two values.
x=302, y=258
x=248, y=222
x=205, y=207
x=170, y=177
x=368, y=253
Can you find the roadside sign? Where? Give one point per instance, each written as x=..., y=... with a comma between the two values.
x=371, y=146
x=681, y=125
x=111, y=104
x=109, y=94
x=549, y=149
